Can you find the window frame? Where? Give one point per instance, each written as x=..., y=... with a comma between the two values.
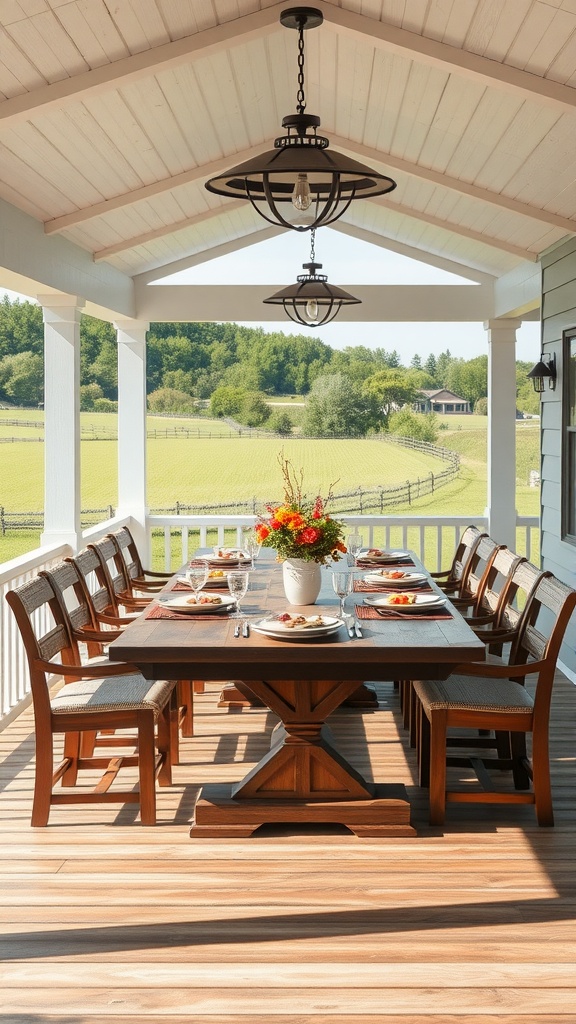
x=568, y=477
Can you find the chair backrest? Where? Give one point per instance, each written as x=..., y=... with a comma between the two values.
x=478, y=565
x=465, y=548
x=45, y=635
x=496, y=583
x=128, y=552
x=75, y=602
x=541, y=632
x=96, y=581
x=112, y=569
x=519, y=590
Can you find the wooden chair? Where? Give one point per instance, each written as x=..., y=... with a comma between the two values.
x=493, y=696
x=98, y=595
x=495, y=590
x=475, y=573
x=138, y=579
x=450, y=579
x=94, y=698
x=112, y=571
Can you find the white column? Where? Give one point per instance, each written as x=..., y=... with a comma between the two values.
x=62, y=419
x=131, y=337
x=501, y=510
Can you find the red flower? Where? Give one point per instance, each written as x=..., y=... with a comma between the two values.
x=275, y=525
x=262, y=531
x=309, y=536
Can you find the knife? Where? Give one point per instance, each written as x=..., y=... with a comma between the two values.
x=245, y=629
x=358, y=630
x=351, y=631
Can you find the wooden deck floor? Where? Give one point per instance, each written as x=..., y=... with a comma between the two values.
x=105, y=922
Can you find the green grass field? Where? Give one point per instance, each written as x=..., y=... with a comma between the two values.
x=212, y=468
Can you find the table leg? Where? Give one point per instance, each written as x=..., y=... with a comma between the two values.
x=303, y=778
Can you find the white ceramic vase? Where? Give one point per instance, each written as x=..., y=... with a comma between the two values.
x=302, y=580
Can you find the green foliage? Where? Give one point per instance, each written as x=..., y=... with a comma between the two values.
x=481, y=407
x=89, y=393
x=337, y=406
x=21, y=328
x=227, y=401
x=105, y=405
x=421, y=426
x=22, y=378
x=280, y=423
x=390, y=389
x=468, y=378
x=170, y=400
x=254, y=410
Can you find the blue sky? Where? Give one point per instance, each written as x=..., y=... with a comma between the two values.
x=348, y=261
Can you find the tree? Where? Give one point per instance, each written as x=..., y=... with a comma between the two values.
x=430, y=367
x=227, y=401
x=337, y=406
x=170, y=400
x=254, y=410
x=89, y=393
x=280, y=423
x=468, y=378
x=22, y=378
x=416, y=362
x=481, y=407
x=422, y=426
x=391, y=389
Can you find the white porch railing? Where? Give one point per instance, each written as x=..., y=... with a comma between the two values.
x=173, y=539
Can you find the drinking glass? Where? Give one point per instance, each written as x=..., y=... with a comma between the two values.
x=354, y=544
x=197, y=574
x=237, y=585
x=252, y=545
x=342, y=584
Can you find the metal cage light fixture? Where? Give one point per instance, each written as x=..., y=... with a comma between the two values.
x=300, y=184
x=312, y=302
x=541, y=372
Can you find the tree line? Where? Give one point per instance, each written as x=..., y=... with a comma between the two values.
x=233, y=370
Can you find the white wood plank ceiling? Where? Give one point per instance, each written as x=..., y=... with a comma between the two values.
x=112, y=116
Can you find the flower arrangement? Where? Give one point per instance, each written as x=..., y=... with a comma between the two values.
x=300, y=527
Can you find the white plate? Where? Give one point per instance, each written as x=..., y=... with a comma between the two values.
x=422, y=602
x=410, y=579
x=232, y=562
x=277, y=630
x=385, y=558
x=182, y=603
x=218, y=581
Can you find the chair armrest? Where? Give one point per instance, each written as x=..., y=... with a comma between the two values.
x=491, y=671
x=103, y=636
x=480, y=620
x=158, y=575
x=441, y=574
x=119, y=668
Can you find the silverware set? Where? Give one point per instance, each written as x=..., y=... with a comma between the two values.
x=354, y=630
x=242, y=629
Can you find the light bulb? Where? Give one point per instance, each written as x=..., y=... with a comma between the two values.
x=301, y=196
x=312, y=310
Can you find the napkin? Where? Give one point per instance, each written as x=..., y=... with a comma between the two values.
x=364, y=611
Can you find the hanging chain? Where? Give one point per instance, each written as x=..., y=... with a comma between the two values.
x=300, y=97
x=312, y=245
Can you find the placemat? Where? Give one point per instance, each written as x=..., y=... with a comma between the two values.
x=362, y=587
x=364, y=611
x=159, y=611
x=405, y=563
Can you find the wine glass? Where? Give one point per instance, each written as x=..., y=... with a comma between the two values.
x=354, y=544
x=342, y=584
x=252, y=545
x=197, y=574
x=237, y=585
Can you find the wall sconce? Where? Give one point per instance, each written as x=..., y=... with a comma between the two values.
x=540, y=372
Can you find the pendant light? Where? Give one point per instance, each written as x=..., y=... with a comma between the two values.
x=312, y=302
x=300, y=184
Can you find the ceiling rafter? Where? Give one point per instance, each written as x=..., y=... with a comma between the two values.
x=181, y=225
x=457, y=229
x=185, y=262
x=130, y=69
x=155, y=188
x=464, y=188
x=407, y=211
x=384, y=241
x=451, y=58
x=69, y=220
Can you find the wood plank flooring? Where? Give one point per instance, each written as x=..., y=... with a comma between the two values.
x=105, y=922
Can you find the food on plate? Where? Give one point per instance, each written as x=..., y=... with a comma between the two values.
x=401, y=599
x=375, y=553
x=216, y=574
x=300, y=621
x=232, y=553
x=392, y=574
x=204, y=599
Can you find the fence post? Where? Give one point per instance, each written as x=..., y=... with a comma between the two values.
x=2, y=521
x=409, y=496
x=432, y=482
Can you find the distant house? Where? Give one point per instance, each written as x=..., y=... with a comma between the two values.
x=442, y=401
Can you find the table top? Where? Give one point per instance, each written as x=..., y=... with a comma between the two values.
x=205, y=647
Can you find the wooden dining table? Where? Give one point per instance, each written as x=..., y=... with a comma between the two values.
x=303, y=777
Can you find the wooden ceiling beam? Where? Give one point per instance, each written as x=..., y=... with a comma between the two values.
x=181, y=225
x=233, y=245
x=450, y=58
x=139, y=65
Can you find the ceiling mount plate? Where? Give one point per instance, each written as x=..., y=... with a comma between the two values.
x=301, y=17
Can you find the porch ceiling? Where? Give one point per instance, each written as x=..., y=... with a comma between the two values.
x=113, y=117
